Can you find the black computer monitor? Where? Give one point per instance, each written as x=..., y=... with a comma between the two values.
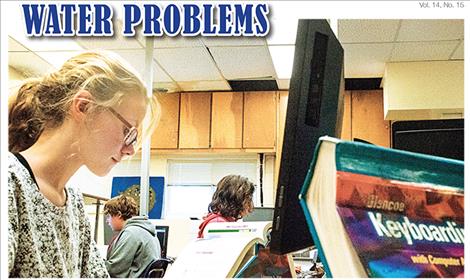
x=314, y=109
x=260, y=214
x=162, y=234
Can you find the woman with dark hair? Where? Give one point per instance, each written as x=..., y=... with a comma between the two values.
x=232, y=200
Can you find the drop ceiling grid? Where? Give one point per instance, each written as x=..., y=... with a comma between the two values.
x=352, y=31
x=233, y=41
x=188, y=64
x=459, y=52
x=376, y=54
x=29, y=63
x=423, y=51
x=431, y=30
x=14, y=46
x=137, y=59
x=244, y=62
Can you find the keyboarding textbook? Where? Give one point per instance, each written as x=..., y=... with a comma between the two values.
x=378, y=212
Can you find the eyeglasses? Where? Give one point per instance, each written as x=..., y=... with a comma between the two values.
x=131, y=133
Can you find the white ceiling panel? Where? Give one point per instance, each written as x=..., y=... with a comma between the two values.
x=375, y=54
x=57, y=58
x=29, y=64
x=48, y=43
x=377, y=30
x=177, y=42
x=244, y=62
x=117, y=42
x=431, y=30
x=422, y=51
x=137, y=59
x=233, y=41
x=459, y=52
x=205, y=85
x=188, y=64
x=14, y=46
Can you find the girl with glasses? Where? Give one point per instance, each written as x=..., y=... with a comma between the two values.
x=88, y=113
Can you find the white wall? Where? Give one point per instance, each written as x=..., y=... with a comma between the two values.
x=101, y=186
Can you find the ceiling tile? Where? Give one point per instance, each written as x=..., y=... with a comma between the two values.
x=204, y=85
x=355, y=56
x=14, y=46
x=233, y=41
x=177, y=42
x=377, y=30
x=188, y=64
x=57, y=58
x=117, y=42
x=48, y=43
x=167, y=41
x=29, y=64
x=431, y=30
x=421, y=51
x=244, y=62
x=137, y=59
x=459, y=54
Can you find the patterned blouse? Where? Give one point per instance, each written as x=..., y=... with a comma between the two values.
x=45, y=240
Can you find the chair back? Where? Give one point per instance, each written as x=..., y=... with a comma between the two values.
x=157, y=268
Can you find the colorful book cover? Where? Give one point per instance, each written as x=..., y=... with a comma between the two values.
x=390, y=213
x=402, y=229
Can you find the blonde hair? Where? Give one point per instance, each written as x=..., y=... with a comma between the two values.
x=124, y=206
x=43, y=103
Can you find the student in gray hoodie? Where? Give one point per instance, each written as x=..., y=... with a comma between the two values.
x=135, y=244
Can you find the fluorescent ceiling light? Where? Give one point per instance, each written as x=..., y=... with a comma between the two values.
x=283, y=31
x=283, y=59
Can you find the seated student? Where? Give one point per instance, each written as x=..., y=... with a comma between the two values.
x=232, y=200
x=135, y=244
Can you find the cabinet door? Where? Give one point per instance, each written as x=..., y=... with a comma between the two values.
x=259, y=121
x=367, y=117
x=165, y=135
x=346, y=125
x=195, y=122
x=227, y=120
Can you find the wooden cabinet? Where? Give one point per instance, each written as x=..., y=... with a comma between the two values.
x=195, y=120
x=367, y=117
x=165, y=135
x=346, y=124
x=259, y=119
x=227, y=120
